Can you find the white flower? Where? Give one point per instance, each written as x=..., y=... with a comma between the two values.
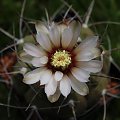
x=62, y=64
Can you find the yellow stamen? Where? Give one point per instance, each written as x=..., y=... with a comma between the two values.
x=61, y=59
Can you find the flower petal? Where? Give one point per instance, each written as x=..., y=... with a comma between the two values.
x=80, y=74
x=45, y=77
x=75, y=27
x=87, y=54
x=44, y=41
x=66, y=37
x=33, y=76
x=38, y=62
x=58, y=75
x=44, y=59
x=25, y=57
x=91, y=66
x=55, y=96
x=51, y=87
x=55, y=35
x=65, y=86
x=41, y=27
x=33, y=50
x=79, y=87
x=89, y=42
x=62, y=27
x=87, y=50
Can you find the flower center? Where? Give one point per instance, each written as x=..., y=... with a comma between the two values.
x=61, y=59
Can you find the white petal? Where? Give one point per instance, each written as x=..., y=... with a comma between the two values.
x=58, y=75
x=38, y=62
x=66, y=37
x=87, y=54
x=75, y=27
x=23, y=70
x=90, y=42
x=55, y=35
x=41, y=27
x=25, y=57
x=79, y=87
x=65, y=86
x=87, y=49
x=44, y=41
x=55, y=96
x=80, y=74
x=45, y=77
x=91, y=66
x=44, y=59
x=33, y=50
x=50, y=88
x=33, y=76
x=62, y=27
